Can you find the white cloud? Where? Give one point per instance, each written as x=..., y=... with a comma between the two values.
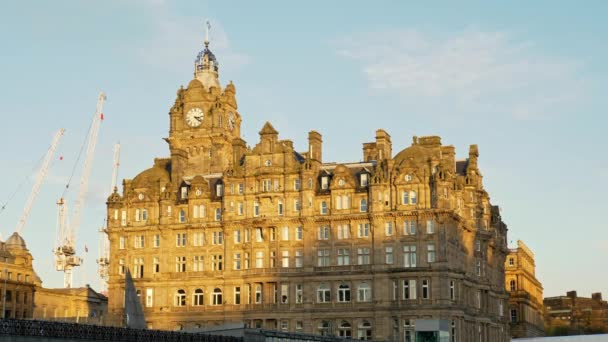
x=470, y=70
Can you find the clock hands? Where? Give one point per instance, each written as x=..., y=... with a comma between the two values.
x=199, y=118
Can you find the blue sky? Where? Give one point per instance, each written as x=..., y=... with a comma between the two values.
x=525, y=81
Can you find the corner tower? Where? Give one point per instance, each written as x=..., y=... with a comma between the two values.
x=204, y=122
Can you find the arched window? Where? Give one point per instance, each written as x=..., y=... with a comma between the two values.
x=344, y=293
x=217, y=296
x=413, y=197
x=363, y=205
x=364, y=331
x=345, y=329
x=324, y=328
x=323, y=294
x=182, y=216
x=364, y=293
x=406, y=197
x=180, y=298
x=512, y=286
x=198, y=297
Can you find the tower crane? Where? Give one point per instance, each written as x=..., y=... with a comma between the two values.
x=44, y=168
x=103, y=261
x=65, y=244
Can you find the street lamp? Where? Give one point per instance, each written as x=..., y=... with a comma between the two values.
x=4, y=294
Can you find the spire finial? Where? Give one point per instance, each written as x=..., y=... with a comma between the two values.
x=207, y=33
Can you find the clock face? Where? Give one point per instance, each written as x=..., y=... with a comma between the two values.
x=194, y=118
x=231, y=121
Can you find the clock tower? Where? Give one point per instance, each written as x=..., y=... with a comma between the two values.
x=204, y=123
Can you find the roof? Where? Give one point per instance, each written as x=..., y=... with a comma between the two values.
x=15, y=241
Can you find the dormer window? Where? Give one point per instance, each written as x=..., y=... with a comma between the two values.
x=219, y=189
x=184, y=192
x=324, y=183
x=364, y=179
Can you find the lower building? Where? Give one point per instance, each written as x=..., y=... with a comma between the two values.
x=79, y=305
x=525, y=293
x=573, y=315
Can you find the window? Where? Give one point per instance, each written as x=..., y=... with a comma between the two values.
x=426, y=294
x=478, y=299
x=388, y=228
x=198, y=297
x=324, y=183
x=296, y=205
x=273, y=259
x=299, y=258
x=241, y=188
x=406, y=198
x=256, y=209
x=149, y=298
x=299, y=233
x=156, y=240
x=338, y=202
x=169, y=210
x=324, y=233
x=259, y=259
x=363, y=179
x=182, y=216
x=123, y=218
x=343, y=257
x=219, y=190
x=180, y=264
x=237, y=261
x=413, y=197
x=453, y=334
x=284, y=325
x=478, y=246
x=343, y=231
x=299, y=294
x=247, y=234
x=478, y=268
x=511, y=262
x=430, y=252
x=180, y=240
x=237, y=236
x=514, y=315
x=408, y=331
x=344, y=329
x=363, y=230
x=197, y=263
x=247, y=263
x=216, y=262
x=452, y=290
x=323, y=294
x=388, y=255
x=323, y=258
x=364, y=293
x=323, y=208
x=198, y=239
x=363, y=256
x=296, y=184
x=512, y=286
x=364, y=331
x=310, y=183
x=217, y=297
x=430, y=227
x=285, y=259
x=324, y=328
x=218, y=214
x=237, y=295
x=409, y=227
x=259, y=237
x=180, y=298
x=409, y=256
x=363, y=205
x=284, y=293
x=156, y=265
x=285, y=233
x=218, y=238
x=266, y=185
x=500, y=308
x=409, y=289
x=258, y=293
x=138, y=267
x=273, y=233
x=122, y=241
x=343, y=293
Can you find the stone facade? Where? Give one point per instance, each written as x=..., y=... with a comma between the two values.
x=220, y=232
x=80, y=305
x=573, y=315
x=525, y=293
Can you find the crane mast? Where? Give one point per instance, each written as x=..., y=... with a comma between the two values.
x=65, y=248
x=103, y=261
x=44, y=168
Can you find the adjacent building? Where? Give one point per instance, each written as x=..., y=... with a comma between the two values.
x=525, y=293
x=220, y=232
x=573, y=315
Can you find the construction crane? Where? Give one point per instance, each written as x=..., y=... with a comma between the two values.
x=103, y=261
x=44, y=169
x=65, y=244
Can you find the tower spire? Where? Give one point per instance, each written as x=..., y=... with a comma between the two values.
x=206, y=66
x=208, y=27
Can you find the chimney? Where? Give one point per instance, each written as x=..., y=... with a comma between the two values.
x=315, y=146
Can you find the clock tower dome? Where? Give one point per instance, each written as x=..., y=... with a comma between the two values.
x=204, y=123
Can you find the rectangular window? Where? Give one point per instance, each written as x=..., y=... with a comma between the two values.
x=343, y=257
x=296, y=184
x=237, y=261
x=247, y=234
x=363, y=256
x=198, y=239
x=296, y=205
x=217, y=262
x=139, y=241
x=363, y=205
x=273, y=233
x=241, y=188
x=409, y=289
x=409, y=228
x=258, y=235
x=426, y=292
x=184, y=192
x=149, y=298
x=285, y=233
x=259, y=259
x=299, y=258
x=514, y=315
x=218, y=214
x=430, y=227
x=197, y=264
x=344, y=231
x=237, y=295
x=273, y=259
x=363, y=231
x=323, y=208
x=180, y=264
x=364, y=180
x=258, y=293
x=478, y=267
x=324, y=233
x=388, y=228
x=388, y=255
x=156, y=265
x=324, y=183
x=284, y=258
x=276, y=185
x=122, y=242
x=256, y=209
x=409, y=256
x=239, y=208
x=299, y=294
x=280, y=208
x=299, y=233
x=430, y=249
x=218, y=238
x=323, y=259
x=138, y=267
x=266, y=185
x=156, y=240
x=284, y=293
x=123, y=218
x=247, y=262
x=180, y=239
x=452, y=290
